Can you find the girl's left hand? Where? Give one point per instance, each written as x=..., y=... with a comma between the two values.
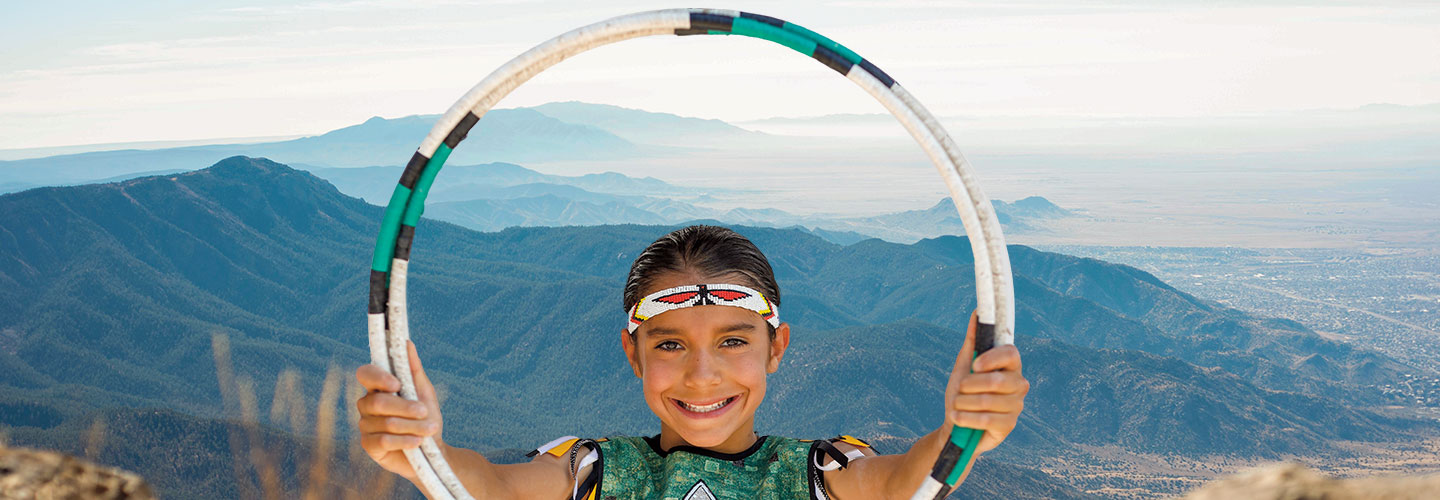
x=990, y=398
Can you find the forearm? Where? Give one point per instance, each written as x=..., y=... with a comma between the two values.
x=911, y=468
x=480, y=477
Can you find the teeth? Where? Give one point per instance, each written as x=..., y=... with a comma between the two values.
x=707, y=408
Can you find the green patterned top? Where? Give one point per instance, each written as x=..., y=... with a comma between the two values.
x=774, y=468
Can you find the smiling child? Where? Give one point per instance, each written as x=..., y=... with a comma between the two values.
x=703, y=332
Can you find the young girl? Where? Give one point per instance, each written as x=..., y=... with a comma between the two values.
x=702, y=334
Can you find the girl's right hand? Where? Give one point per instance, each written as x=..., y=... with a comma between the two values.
x=389, y=423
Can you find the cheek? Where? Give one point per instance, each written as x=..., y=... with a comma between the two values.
x=751, y=372
x=659, y=377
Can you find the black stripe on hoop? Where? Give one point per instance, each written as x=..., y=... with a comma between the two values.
x=403, y=240
x=949, y=456
x=703, y=21
x=687, y=32
x=875, y=72
x=764, y=19
x=378, y=291
x=832, y=59
x=458, y=133
x=984, y=338
x=412, y=170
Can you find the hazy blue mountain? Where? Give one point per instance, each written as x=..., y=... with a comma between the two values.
x=645, y=127
x=496, y=181
x=130, y=279
x=943, y=219
x=543, y=210
x=501, y=135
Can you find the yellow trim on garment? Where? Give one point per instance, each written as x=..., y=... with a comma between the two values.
x=854, y=441
x=561, y=449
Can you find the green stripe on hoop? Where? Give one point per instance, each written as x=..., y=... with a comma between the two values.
x=965, y=454
x=824, y=42
x=416, y=206
x=961, y=436
x=757, y=29
x=389, y=229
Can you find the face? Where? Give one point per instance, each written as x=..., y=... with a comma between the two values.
x=703, y=369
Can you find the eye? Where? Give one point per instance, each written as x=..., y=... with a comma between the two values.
x=668, y=346
x=733, y=342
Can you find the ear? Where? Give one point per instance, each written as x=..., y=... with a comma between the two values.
x=778, y=346
x=631, y=353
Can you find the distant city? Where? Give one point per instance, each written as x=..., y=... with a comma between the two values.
x=1388, y=301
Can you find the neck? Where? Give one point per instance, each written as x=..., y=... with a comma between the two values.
x=740, y=441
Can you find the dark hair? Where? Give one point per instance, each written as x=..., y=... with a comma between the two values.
x=710, y=251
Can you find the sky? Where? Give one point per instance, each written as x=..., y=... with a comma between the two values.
x=90, y=72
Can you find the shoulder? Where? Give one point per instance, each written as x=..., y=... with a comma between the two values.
x=576, y=457
x=838, y=452
x=833, y=466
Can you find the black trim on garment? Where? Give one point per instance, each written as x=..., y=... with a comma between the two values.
x=597, y=471
x=814, y=477
x=654, y=442
x=828, y=447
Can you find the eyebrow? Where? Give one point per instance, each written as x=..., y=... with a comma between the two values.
x=672, y=332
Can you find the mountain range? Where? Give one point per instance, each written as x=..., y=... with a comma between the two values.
x=480, y=193
x=110, y=293
x=514, y=135
x=495, y=196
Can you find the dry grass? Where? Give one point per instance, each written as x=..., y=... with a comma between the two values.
x=258, y=470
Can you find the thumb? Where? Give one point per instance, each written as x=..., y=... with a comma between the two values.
x=423, y=388
x=967, y=349
x=966, y=356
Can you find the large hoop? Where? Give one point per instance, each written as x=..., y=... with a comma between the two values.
x=389, y=325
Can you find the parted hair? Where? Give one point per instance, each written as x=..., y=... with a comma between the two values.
x=713, y=252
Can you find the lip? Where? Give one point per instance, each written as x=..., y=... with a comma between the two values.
x=713, y=414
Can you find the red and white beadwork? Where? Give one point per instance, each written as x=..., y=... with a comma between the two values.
x=718, y=294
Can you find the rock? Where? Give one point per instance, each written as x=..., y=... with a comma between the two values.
x=1292, y=481
x=45, y=475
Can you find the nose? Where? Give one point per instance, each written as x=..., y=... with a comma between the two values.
x=705, y=369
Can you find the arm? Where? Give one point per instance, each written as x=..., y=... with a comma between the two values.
x=989, y=399
x=390, y=424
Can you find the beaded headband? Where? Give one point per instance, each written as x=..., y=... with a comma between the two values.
x=718, y=294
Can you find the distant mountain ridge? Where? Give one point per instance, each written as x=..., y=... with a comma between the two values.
x=493, y=199
x=129, y=280
x=520, y=134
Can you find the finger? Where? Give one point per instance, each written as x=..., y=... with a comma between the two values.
x=1000, y=358
x=389, y=405
x=1008, y=403
x=375, y=379
x=999, y=423
x=423, y=388
x=1004, y=382
x=397, y=425
x=377, y=445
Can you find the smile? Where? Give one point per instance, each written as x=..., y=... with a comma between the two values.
x=705, y=409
